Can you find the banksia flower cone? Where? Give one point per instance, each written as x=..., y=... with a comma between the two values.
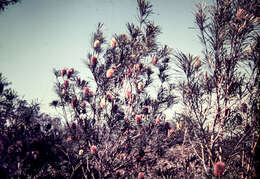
x=167, y=125
x=63, y=92
x=81, y=152
x=123, y=36
x=86, y=90
x=196, y=63
x=240, y=14
x=66, y=83
x=140, y=86
x=73, y=103
x=136, y=67
x=113, y=43
x=91, y=93
x=127, y=94
x=96, y=43
x=78, y=82
x=140, y=175
x=109, y=95
x=63, y=71
x=155, y=59
x=133, y=57
x=93, y=61
x=69, y=139
x=122, y=156
x=219, y=168
x=73, y=125
x=70, y=72
x=110, y=72
x=102, y=103
x=93, y=149
x=179, y=125
x=138, y=118
x=158, y=120
x=170, y=132
x=83, y=104
x=145, y=109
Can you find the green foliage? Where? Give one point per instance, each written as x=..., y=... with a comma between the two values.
x=5, y=3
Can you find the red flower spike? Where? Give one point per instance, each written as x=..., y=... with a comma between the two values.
x=70, y=72
x=66, y=84
x=170, y=132
x=91, y=93
x=133, y=57
x=123, y=36
x=140, y=175
x=96, y=43
x=133, y=99
x=78, y=82
x=73, y=125
x=127, y=94
x=113, y=43
x=167, y=125
x=93, y=149
x=109, y=95
x=83, y=104
x=145, y=109
x=129, y=73
x=197, y=62
x=73, y=103
x=86, y=90
x=155, y=59
x=137, y=67
x=69, y=139
x=122, y=156
x=63, y=71
x=93, y=61
x=102, y=103
x=158, y=120
x=110, y=72
x=83, y=82
x=138, y=118
x=219, y=168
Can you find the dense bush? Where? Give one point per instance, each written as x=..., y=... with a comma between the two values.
x=28, y=138
x=114, y=124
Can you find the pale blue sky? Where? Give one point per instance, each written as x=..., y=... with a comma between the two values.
x=39, y=35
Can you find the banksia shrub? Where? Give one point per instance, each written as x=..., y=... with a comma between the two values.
x=125, y=106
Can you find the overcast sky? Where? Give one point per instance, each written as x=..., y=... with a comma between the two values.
x=39, y=35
